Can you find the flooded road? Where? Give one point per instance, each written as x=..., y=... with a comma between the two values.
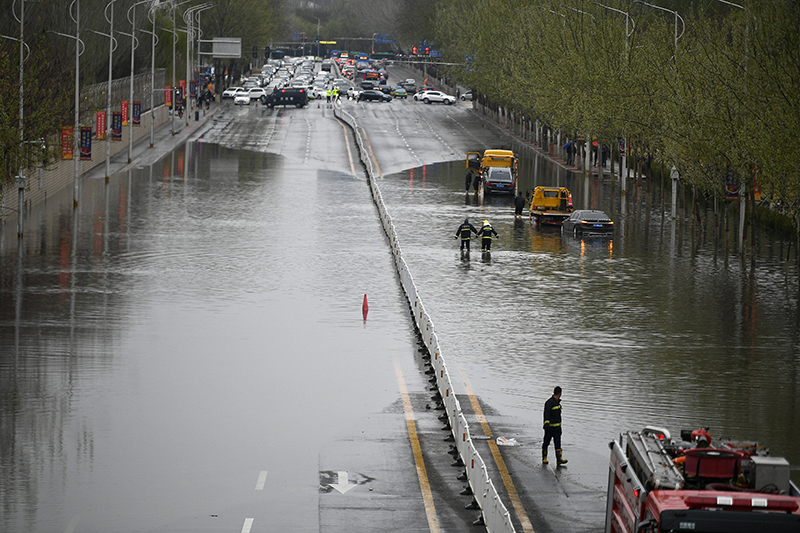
x=660, y=325
x=186, y=351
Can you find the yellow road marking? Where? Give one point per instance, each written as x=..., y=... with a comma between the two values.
x=372, y=154
x=498, y=459
x=422, y=473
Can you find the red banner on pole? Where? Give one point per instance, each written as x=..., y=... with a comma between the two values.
x=124, y=109
x=100, y=125
x=168, y=95
x=66, y=142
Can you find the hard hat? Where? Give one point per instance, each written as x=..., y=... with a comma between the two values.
x=485, y=222
x=466, y=220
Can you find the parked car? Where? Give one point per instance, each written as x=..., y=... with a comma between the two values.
x=466, y=96
x=372, y=95
x=430, y=97
x=230, y=92
x=588, y=222
x=399, y=92
x=241, y=97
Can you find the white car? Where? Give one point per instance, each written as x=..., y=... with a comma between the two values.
x=256, y=93
x=230, y=92
x=430, y=97
x=242, y=97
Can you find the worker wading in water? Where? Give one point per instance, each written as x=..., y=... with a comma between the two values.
x=486, y=233
x=465, y=231
x=552, y=426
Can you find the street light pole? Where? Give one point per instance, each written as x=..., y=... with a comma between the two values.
x=624, y=162
x=683, y=24
x=132, y=20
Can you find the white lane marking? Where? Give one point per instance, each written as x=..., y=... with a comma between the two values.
x=248, y=523
x=262, y=478
x=73, y=524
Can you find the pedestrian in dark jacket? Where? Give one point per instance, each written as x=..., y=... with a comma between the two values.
x=486, y=233
x=468, y=180
x=519, y=204
x=465, y=231
x=552, y=426
x=476, y=182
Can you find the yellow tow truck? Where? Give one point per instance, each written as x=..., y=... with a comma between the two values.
x=497, y=169
x=550, y=206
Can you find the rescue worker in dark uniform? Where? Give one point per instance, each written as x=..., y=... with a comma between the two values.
x=465, y=231
x=486, y=233
x=552, y=426
x=519, y=204
x=476, y=181
x=468, y=180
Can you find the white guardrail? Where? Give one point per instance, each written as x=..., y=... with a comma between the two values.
x=495, y=515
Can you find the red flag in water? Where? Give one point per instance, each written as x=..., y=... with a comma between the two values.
x=365, y=307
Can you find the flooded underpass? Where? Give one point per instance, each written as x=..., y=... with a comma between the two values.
x=663, y=324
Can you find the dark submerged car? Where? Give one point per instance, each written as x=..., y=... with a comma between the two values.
x=588, y=222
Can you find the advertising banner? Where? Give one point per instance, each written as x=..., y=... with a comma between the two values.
x=168, y=95
x=137, y=113
x=100, y=125
x=193, y=89
x=124, y=108
x=66, y=142
x=86, y=143
x=179, y=92
x=116, y=126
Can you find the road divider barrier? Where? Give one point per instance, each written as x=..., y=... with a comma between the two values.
x=494, y=514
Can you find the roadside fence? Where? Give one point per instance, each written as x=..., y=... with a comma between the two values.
x=494, y=513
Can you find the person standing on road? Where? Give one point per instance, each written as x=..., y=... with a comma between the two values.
x=519, y=204
x=468, y=180
x=465, y=230
x=486, y=233
x=552, y=426
x=476, y=182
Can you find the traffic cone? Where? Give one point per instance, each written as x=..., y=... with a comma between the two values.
x=365, y=307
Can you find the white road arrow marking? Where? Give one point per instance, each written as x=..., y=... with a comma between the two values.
x=248, y=523
x=343, y=485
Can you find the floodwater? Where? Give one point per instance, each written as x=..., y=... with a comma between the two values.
x=153, y=343
x=660, y=325
x=196, y=326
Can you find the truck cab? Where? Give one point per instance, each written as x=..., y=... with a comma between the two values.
x=659, y=484
x=551, y=205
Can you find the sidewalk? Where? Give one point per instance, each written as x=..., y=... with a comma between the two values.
x=43, y=183
x=163, y=142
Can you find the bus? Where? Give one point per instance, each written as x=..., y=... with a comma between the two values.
x=362, y=61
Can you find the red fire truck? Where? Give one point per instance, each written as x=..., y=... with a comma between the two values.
x=660, y=484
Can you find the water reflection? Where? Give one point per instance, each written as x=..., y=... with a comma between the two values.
x=660, y=324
